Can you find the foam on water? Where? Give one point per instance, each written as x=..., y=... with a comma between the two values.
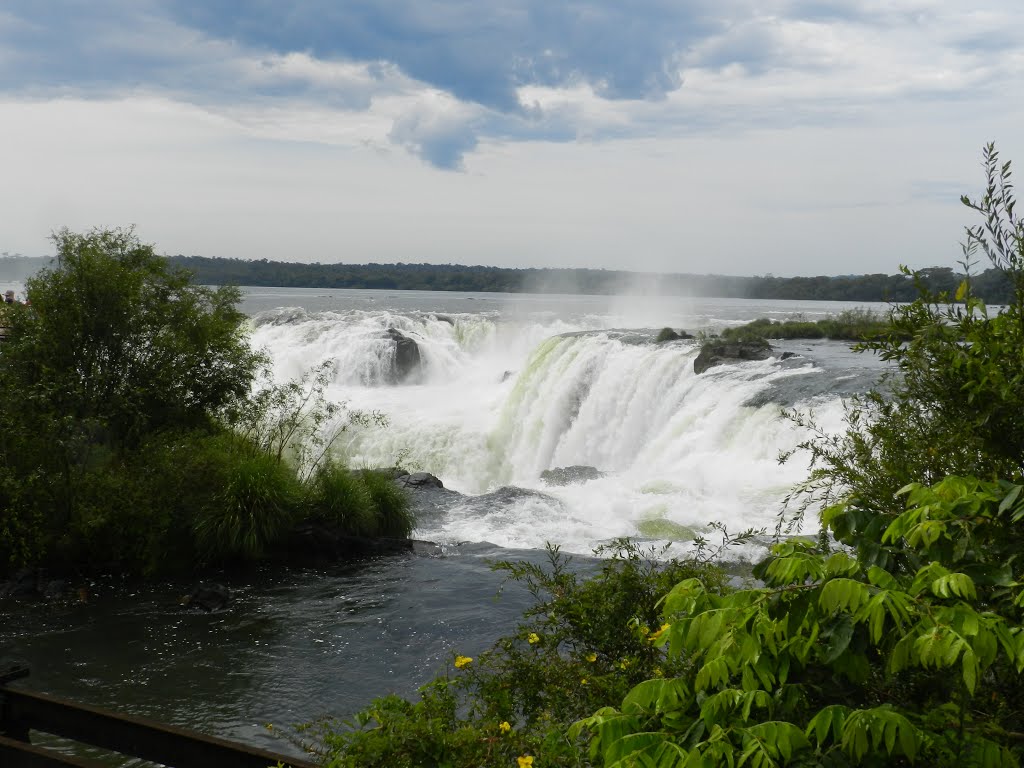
x=499, y=400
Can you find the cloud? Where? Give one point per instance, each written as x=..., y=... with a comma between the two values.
x=439, y=78
x=438, y=129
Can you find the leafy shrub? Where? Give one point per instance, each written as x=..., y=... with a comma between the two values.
x=585, y=642
x=836, y=662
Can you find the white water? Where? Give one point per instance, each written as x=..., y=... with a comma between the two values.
x=503, y=396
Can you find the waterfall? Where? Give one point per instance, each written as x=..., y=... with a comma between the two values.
x=496, y=401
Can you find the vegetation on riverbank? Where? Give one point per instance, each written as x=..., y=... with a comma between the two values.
x=140, y=432
x=895, y=638
x=850, y=325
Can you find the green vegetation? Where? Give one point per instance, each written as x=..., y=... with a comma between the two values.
x=140, y=432
x=585, y=642
x=851, y=325
x=896, y=638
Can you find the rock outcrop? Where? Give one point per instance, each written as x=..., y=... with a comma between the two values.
x=418, y=480
x=668, y=334
x=720, y=353
x=314, y=542
x=207, y=597
x=578, y=473
x=407, y=357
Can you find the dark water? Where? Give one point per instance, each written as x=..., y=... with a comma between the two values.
x=293, y=645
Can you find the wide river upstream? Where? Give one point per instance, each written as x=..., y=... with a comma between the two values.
x=507, y=386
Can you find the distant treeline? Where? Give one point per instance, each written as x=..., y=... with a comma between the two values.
x=991, y=285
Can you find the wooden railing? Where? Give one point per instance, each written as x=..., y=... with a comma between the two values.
x=23, y=711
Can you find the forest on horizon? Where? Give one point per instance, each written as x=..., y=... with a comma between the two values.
x=991, y=285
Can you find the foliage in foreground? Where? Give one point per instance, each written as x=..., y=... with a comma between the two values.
x=586, y=641
x=132, y=436
x=903, y=646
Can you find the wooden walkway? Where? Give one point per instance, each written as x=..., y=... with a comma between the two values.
x=23, y=711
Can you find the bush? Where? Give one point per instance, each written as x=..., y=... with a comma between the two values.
x=260, y=500
x=584, y=643
x=339, y=496
x=393, y=517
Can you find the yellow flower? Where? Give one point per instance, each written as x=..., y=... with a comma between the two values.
x=463, y=661
x=659, y=633
x=525, y=761
x=658, y=672
x=645, y=630
x=504, y=726
x=532, y=638
x=583, y=681
x=591, y=657
x=624, y=664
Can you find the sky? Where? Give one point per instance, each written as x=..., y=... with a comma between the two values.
x=744, y=137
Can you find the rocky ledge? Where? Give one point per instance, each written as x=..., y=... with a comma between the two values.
x=720, y=353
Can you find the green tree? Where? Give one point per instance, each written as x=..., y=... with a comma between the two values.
x=117, y=339
x=115, y=348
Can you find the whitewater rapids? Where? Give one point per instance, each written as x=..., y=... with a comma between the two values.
x=502, y=396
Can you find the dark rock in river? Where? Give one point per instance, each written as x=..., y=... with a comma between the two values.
x=207, y=597
x=577, y=473
x=419, y=480
x=787, y=355
x=668, y=334
x=407, y=356
x=24, y=583
x=719, y=353
x=316, y=541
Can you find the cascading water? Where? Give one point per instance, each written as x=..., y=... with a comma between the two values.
x=497, y=401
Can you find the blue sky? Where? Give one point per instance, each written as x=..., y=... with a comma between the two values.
x=732, y=136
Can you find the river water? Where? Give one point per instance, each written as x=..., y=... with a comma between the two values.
x=508, y=386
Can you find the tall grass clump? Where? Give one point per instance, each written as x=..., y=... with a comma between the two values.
x=393, y=516
x=256, y=506
x=340, y=497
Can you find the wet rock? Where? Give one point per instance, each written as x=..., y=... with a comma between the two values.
x=315, y=541
x=207, y=597
x=669, y=334
x=407, y=357
x=24, y=583
x=787, y=355
x=720, y=353
x=578, y=473
x=54, y=589
x=419, y=480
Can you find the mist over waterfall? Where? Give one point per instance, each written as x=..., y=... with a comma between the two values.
x=494, y=398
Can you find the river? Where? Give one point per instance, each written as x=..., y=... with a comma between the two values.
x=508, y=386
